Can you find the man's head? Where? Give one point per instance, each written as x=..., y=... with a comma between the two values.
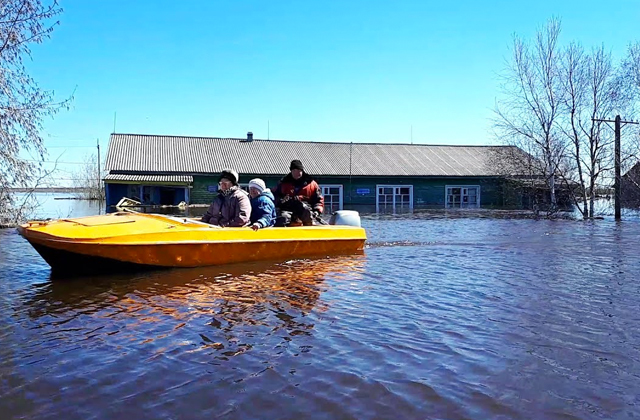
x=256, y=186
x=296, y=169
x=228, y=178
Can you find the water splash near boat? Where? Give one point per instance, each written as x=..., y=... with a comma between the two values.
x=380, y=244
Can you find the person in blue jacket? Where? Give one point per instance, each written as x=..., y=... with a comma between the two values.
x=263, y=206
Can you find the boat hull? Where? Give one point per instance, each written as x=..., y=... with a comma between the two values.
x=66, y=262
x=107, y=243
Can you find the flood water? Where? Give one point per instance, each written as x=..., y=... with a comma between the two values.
x=442, y=317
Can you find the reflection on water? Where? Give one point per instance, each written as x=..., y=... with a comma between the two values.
x=234, y=294
x=190, y=319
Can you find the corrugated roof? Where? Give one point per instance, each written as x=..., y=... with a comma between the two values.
x=167, y=154
x=183, y=179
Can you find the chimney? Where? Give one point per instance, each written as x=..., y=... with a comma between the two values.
x=249, y=136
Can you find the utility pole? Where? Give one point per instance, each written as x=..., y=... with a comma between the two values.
x=616, y=184
x=350, y=186
x=98, y=170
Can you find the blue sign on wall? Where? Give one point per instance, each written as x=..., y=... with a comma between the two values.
x=212, y=188
x=363, y=191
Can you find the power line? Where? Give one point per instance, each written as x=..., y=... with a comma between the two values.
x=53, y=178
x=69, y=147
x=52, y=161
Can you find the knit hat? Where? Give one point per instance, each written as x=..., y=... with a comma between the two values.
x=258, y=184
x=231, y=175
x=296, y=164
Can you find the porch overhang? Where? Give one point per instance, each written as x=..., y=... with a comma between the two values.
x=168, y=180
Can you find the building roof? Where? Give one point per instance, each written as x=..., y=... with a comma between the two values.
x=200, y=155
x=633, y=171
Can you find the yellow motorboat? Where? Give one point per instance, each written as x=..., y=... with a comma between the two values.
x=126, y=240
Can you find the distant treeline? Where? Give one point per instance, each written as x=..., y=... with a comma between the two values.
x=49, y=190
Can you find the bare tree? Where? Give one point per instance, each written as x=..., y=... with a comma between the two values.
x=89, y=179
x=591, y=93
x=629, y=87
x=23, y=104
x=631, y=65
x=574, y=83
x=528, y=116
x=555, y=97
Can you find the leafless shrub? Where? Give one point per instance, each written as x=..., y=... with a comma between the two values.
x=23, y=104
x=88, y=179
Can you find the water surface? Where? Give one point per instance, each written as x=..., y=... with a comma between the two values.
x=442, y=317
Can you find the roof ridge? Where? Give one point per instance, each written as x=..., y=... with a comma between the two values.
x=243, y=139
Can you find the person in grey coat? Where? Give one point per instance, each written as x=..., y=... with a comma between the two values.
x=231, y=208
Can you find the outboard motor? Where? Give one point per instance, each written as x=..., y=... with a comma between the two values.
x=345, y=217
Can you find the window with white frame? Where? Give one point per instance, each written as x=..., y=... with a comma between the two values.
x=462, y=196
x=332, y=198
x=395, y=198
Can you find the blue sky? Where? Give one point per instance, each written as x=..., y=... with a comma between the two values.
x=361, y=71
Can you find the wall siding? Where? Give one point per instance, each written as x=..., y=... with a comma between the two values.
x=115, y=192
x=427, y=192
x=201, y=183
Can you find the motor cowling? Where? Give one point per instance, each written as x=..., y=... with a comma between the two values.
x=345, y=217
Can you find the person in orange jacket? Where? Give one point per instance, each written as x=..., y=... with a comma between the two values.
x=298, y=197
